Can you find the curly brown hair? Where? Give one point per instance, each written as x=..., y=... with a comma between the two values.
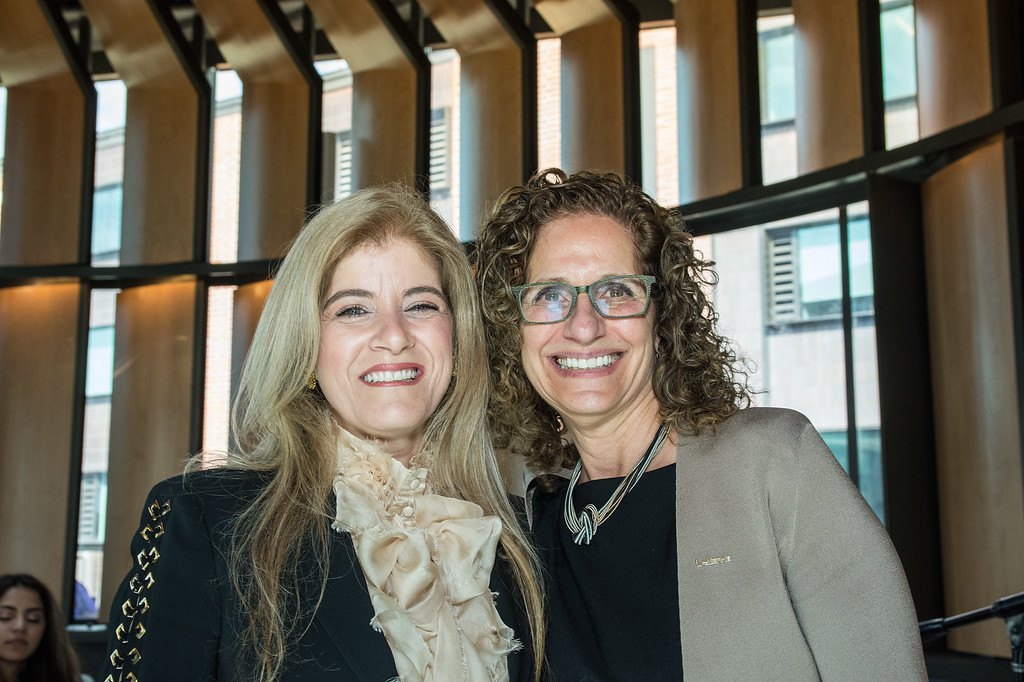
x=698, y=379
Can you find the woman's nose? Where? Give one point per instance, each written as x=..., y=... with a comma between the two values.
x=392, y=333
x=585, y=324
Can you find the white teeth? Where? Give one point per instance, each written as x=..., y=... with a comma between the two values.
x=587, y=363
x=383, y=377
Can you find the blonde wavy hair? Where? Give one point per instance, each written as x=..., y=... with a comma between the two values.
x=698, y=380
x=286, y=430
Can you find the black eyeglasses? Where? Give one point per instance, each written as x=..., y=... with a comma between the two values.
x=612, y=297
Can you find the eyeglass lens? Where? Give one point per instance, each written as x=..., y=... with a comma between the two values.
x=612, y=297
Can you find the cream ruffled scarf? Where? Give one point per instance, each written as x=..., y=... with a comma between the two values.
x=427, y=561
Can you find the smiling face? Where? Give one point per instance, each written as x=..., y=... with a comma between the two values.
x=385, y=357
x=22, y=624
x=592, y=370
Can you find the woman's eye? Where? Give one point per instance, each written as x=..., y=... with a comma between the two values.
x=550, y=295
x=423, y=309
x=616, y=290
x=351, y=312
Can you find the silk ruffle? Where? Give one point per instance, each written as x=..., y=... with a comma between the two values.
x=427, y=560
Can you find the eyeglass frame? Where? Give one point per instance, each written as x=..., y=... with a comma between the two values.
x=648, y=280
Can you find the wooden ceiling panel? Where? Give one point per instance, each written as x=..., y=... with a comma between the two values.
x=564, y=16
x=135, y=43
x=359, y=34
x=249, y=40
x=29, y=52
x=470, y=26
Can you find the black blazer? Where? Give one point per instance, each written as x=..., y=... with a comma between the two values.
x=176, y=616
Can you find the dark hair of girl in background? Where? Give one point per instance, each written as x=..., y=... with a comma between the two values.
x=53, y=660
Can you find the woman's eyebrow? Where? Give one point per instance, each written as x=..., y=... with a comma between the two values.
x=341, y=293
x=426, y=289
x=555, y=279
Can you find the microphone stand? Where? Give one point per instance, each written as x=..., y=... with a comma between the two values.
x=1010, y=609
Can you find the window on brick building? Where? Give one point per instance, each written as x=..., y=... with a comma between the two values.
x=780, y=298
x=440, y=152
x=803, y=276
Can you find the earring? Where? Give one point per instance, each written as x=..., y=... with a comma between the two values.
x=455, y=366
x=311, y=382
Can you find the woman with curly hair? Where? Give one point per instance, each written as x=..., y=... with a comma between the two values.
x=679, y=528
x=360, y=529
x=34, y=646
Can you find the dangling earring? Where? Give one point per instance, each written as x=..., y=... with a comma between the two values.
x=311, y=382
x=560, y=425
x=455, y=366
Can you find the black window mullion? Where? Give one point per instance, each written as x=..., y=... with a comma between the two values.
x=77, y=444
x=198, y=392
x=852, y=462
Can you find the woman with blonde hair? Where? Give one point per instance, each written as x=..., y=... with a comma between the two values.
x=360, y=531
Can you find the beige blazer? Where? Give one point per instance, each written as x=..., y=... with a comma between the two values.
x=785, y=573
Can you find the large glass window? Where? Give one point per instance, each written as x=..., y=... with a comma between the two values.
x=802, y=284
x=659, y=134
x=549, y=103
x=777, y=79
x=225, y=179
x=445, y=135
x=776, y=51
x=225, y=175
x=111, y=103
x=337, y=129
x=899, y=72
x=92, y=506
x=106, y=223
x=783, y=297
x=217, y=392
x=441, y=180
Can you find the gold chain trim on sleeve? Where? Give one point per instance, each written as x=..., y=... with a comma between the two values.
x=131, y=629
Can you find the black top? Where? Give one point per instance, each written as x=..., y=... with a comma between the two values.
x=613, y=605
x=176, y=616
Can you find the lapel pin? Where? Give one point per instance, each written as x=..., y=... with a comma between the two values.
x=713, y=560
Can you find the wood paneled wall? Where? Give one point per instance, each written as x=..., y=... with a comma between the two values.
x=47, y=109
x=829, y=125
x=954, y=74
x=710, y=143
x=38, y=342
x=600, y=85
x=981, y=498
x=970, y=293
